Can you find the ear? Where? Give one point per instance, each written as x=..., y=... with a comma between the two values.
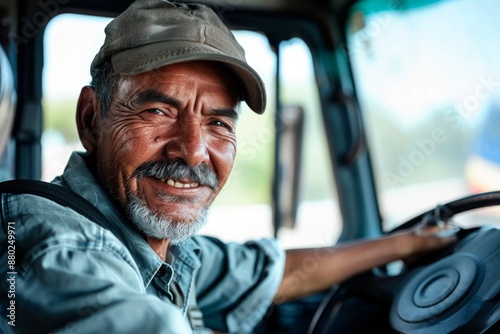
x=87, y=118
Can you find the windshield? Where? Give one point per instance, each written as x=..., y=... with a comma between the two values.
x=428, y=83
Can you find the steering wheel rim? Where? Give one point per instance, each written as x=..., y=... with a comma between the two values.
x=457, y=206
x=336, y=298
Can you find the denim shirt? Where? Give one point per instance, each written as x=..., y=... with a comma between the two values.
x=78, y=276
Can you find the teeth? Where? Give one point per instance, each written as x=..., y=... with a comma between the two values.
x=178, y=184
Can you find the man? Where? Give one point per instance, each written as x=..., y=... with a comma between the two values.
x=158, y=125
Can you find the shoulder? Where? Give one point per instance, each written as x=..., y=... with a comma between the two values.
x=241, y=261
x=42, y=225
x=32, y=213
x=237, y=281
x=211, y=246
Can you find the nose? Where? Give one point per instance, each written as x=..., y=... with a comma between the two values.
x=188, y=144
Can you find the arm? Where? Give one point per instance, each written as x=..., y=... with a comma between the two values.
x=236, y=282
x=312, y=270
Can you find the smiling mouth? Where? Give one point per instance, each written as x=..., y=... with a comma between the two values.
x=176, y=173
x=179, y=184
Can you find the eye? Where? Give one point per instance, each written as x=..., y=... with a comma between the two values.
x=154, y=111
x=223, y=124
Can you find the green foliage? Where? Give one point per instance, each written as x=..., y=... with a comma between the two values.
x=59, y=115
x=250, y=180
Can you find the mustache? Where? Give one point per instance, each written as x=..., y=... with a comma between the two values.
x=177, y=169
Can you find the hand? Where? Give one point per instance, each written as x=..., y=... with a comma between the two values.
x=424, y=238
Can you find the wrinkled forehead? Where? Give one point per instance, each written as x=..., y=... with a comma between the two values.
x=214, y=77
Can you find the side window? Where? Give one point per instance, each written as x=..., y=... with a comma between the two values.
x=318, y=217
x=68, y=55
x=242, y=211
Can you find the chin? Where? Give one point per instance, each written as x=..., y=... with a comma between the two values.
x=153, y=225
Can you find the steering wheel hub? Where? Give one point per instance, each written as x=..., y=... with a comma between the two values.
x=437, y=288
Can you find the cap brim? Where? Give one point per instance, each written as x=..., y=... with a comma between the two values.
x=153, y=56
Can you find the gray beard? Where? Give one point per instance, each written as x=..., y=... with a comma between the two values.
x=157, y=227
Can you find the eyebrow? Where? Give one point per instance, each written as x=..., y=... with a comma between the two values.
x=153, y=95
x=226, y=112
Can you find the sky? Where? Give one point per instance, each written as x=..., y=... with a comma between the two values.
x=414, y=62
x=71, y=42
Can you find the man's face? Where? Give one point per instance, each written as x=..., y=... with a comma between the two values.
x=185, y=113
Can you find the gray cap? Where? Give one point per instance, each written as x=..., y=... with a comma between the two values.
x=153, y=33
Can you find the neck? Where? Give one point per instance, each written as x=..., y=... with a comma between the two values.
x=160, y=247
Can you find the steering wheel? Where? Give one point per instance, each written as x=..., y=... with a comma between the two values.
x=457, y=290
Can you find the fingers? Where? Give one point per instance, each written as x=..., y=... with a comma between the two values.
x=442, y=231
